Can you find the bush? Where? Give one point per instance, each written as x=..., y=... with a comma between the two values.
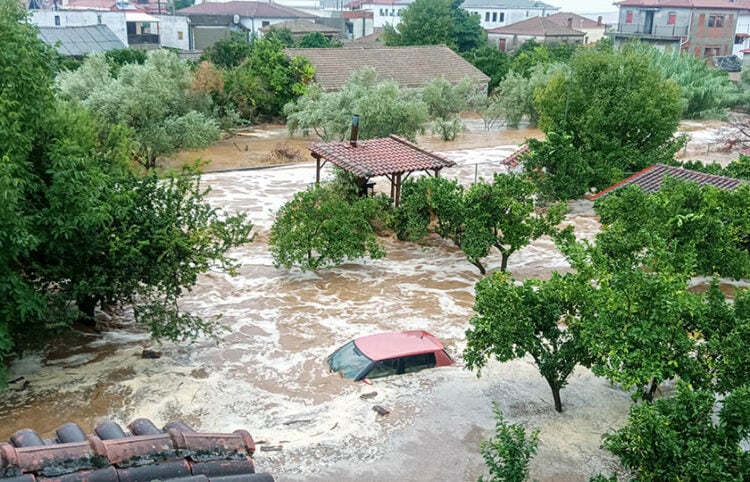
x=509, y=452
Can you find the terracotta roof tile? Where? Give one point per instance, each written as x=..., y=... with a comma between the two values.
x=245, y=9
x=539, y=26
x=407, y=66
x=650, y=179
x=378, y=157
x=577, y=22
x=515, y=159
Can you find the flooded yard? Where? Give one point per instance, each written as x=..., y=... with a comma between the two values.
x=268, y=374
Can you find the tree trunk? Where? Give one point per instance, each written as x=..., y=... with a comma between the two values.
x=479, y=267
x=504, y=262
x=87, y=306
x=556, y=395
x=649, y=396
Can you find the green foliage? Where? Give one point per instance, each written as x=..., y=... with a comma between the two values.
x=534, y=318
x=618, y=112
x=508, y=453
x=738, y=169
x=558, y=167
x=156, y=100
x=322, y=227
x=383, y=107
x=118, y=58
x=317, y=40
x=445, y=101
x=490, y=108
x=267, y=80
x=283, y=35
x=704, y=90
x=435, y=22
x=79, y=227
x=532, y=54
x=707, y=227
x=229, y=52
x=492, y=62
x=500, y=215
x=180, y=4
x=676, y=438
x=516, y=93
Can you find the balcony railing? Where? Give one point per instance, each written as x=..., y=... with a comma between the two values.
x=656, y=31
x=143, y=39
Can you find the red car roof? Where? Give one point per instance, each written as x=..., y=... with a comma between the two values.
x=398, y=343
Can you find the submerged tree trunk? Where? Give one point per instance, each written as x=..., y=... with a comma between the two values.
x=649, y=396
x=479, y=266
x=504, y=262
x=87, y=306
x=556, y=395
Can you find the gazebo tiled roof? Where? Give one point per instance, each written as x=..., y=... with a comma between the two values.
x=380, y=157
x=651, y=178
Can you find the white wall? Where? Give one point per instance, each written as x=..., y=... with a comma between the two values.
x=170, y=28
x=254, y=25
x=82, y=18
x=508, y=15
x=743, y=26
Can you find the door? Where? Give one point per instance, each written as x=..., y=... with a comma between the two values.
x=649, y=25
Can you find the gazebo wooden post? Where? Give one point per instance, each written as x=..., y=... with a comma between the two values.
x=397, y=183
x=317, y=168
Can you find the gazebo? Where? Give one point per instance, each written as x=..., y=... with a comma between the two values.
x=392, y=157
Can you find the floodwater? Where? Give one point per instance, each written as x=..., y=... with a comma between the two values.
x=268, y=374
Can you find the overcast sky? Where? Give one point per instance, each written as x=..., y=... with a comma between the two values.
x=584, y=6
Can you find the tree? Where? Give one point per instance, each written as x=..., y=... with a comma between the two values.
x=384, y=109
x=322, y=227
x=704, y=225
x=445, y=101
x=676, y=438
x=228, y=52
x=156, y=100
x=435, y=22
x=492, y=62
x=533, y=318
x=500, y=215
x=620, y=113
x=80, y=228
x=283, y=35
x=267, y=80
x=317, y=40
x=508, y=453
x=516, y=93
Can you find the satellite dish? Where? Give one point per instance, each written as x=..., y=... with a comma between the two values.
x=236, y=18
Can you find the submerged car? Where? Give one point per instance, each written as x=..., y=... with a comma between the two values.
x=384, y=354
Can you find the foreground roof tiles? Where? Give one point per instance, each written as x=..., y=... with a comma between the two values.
x=409, y=67
x=380, y=157
x=80, y=41
x=245, y=9
x=145, y=453
x=651, y=178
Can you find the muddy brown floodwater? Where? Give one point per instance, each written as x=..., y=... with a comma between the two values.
x=268, y=374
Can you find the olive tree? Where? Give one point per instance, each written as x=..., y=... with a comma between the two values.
x=535, y=318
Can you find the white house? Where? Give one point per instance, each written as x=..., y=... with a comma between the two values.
x=498, y=13
x=385, y=12
x=593, y=29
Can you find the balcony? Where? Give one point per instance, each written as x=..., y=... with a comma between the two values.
x=143, y=39
x=656, y=32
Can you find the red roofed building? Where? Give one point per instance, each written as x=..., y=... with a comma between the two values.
x=704, y=28
x=593, y=29
x=392, y=157
x=651, y=178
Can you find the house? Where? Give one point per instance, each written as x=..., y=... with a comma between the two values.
x=299, y=28
x=80, y=41
x=211, y=22
x=593, y=30
x=498, y=13
x=705, y=28
x=359, y=24
x=409, y=67
x=742, y=35
x=133, y=27
x=651, y=178
x=385, y=12
x=541, y=29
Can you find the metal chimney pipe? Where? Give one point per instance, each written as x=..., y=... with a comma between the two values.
x=355, y=130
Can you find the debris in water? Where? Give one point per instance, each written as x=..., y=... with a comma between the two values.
x=381, y=410
x=367, y=396
x=152, y=354
x=271, y=448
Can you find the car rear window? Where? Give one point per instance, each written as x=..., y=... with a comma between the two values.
x=348, y=360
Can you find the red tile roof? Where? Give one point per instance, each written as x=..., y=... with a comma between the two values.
x=378, y=157
x=409, y=67
x=515, y=159
x=650, y=179
x=358, y=14
x=577, y=22
x=245, y=9
x=713, y=4
x=538, y=26
x=144, y=453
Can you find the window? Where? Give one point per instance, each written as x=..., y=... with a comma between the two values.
x=265, y=23
x=486, y=16
x=716, y=21
x=672, y=18
x=629, y=17
x=711, y=52
x=99, y=19
x=57, y=20
x=502, y=16
x=381, y=13
x=738, y=39
x=494, y=16
x=527, y=13
x=179, y=35
x=415, y=363
x=384, y=368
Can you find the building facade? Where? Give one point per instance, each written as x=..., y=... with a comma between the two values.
x=498, y=13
